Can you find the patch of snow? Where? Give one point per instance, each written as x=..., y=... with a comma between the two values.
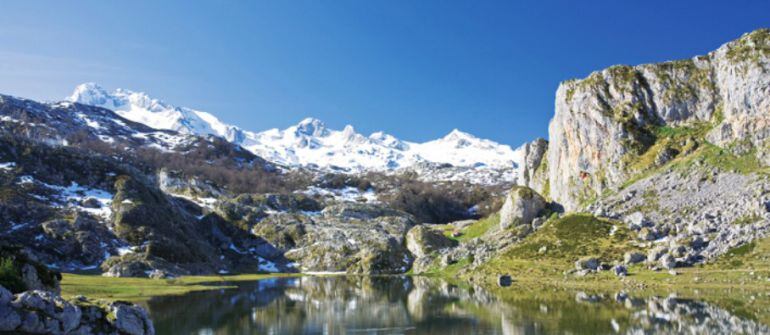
x=203, y=202
x=347, y=194
x=7, y=166
x=267, y=266
x=126, y=250
x=26, y=180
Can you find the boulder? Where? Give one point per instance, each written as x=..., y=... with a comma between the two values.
x=522, y=205
x=587, y=263
x=633, y=257
x=667, y=262
x=44, y=312
x=655, y=253
x=647, y=234
x=130, y=319
x=9, y=318
x=620, y=270
x=504, y=280
x=422, y=241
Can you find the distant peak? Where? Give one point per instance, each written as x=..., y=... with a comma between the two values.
x=312, y=127
x=457, y=134
x=88, y=93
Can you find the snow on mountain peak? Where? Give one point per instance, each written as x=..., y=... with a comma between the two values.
x=312, y=127
x=310, y=142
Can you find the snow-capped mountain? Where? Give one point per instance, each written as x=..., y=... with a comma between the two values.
x=310, y=143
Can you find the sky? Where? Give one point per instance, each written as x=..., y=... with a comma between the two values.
x=414, y=69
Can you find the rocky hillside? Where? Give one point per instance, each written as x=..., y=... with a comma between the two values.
x=84, y=189
x=664, y=164
x=625, y=120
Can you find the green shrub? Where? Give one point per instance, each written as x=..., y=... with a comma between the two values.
x=10, y=276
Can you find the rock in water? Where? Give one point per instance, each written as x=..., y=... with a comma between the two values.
x=521, y=206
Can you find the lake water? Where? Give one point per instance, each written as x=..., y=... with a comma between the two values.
x=415, y=305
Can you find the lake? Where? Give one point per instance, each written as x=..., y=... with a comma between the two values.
x=418, y=305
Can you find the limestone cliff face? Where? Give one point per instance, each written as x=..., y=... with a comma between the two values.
x=532, y=172
x=605, y=122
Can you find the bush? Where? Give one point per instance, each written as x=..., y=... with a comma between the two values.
x=10, y=276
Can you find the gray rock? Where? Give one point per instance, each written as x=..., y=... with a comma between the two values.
x=667, y=262
x=422, y=241
x=647, y=234
x=633, y=257
x=655, y=253
x=587, y=263
x=9, y=318
x=131, y=320
x=5, y=296
x=521, y=206
x=620, y=270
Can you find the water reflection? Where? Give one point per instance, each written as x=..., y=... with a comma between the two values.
x=405, y=305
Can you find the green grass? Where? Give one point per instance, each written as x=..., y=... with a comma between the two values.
x=476, y=229
x=140, y=289
x=559, y=243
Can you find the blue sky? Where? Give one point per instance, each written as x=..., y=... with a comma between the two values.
x=415, y=69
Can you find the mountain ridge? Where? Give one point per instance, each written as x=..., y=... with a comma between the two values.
x=310, y=143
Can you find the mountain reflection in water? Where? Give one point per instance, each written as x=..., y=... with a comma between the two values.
x=416, y=305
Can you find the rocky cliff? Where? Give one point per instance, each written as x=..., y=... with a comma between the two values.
x=616, y=123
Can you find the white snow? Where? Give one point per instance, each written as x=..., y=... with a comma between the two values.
x=26, y=180
x=267, y=266
x=348, y=194
x=74, y=195
x=310, y=143
x=7, y=166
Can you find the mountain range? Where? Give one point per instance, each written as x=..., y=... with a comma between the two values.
x=310, y=143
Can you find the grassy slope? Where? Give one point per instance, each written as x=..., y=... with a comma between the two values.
x=140, y=289
x=738, y=281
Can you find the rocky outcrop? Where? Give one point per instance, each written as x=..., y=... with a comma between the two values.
x=347, y=237
x=605, y=122
x=21, y=272
x=422, y=241
x=43, y=312
x=533, y=169
x=521, y=206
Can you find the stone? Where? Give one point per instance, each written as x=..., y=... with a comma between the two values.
x=655, y=253
x=587, y=263
x=521, y=206
x=90, y=203
x=9, y=318
x=633, y=257
x=5, y=296
x=667, y=262
x=620, y=270
x=422, y=241
x=504, y=280
x=647, y=234
x=131, y=320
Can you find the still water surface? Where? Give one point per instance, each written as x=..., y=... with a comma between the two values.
x=407, y=305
